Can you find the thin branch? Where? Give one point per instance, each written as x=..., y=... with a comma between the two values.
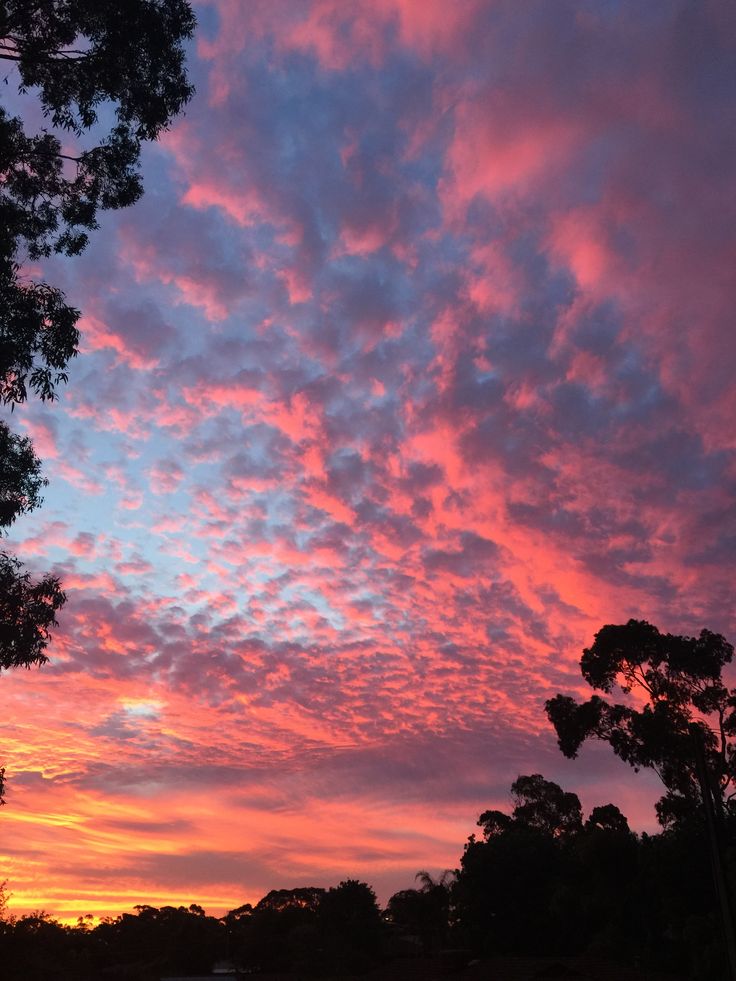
x=15, y=53
x=18, y=43
x=659, y=773
x=641, y=677
x=59, y=156
x=723, y=735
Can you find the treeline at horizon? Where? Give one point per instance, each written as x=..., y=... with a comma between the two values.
x=539, y=879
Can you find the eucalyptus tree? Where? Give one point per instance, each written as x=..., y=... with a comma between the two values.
x=674, y=690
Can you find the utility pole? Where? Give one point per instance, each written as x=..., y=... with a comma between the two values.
x=714, y=840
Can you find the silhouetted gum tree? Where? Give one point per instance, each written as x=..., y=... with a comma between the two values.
x=21, y=480
x=680, y=679
x=38, y=331
x=540, y=805
x=27, y=609
x=607, y=817
x=544, y=806
x=78, y=56
x=524, y=888
x=278, y=933
x=350, y=928
x=27, y=613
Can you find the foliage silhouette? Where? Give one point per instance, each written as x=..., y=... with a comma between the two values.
x=503, y=892
x=21, y=480
x=308, y=930
x=27, y=614
x=596, y=887
x=79, y=57
x=176, y=940
x=524, y=889
x=27, y=609
x=350, y=928
x=423, y=915
x=680, y=679
x=542, y=805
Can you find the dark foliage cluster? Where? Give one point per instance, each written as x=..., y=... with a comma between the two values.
x=541, y=879
x=307, y=931
x=28, y=608
x=678, y=683
x=85, y=60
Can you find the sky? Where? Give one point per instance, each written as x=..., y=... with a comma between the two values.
x=412, y=368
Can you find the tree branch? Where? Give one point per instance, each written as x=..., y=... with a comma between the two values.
x=641, y=678
x=15, y=53
x=59, y=156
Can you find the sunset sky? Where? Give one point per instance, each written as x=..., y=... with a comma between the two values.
x=413, y=367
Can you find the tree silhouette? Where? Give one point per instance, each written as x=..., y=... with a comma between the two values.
x=607, y=818
x=350, y=928
x=27, y=609
x=602, y=893
x=431, y=885
x=542, y=880
x=21, y=480
x=423, y=914
x=680, y=681
x=154, y=942
x=27, y=613
x=544, y=806
x=278, y=933
x=77, y=57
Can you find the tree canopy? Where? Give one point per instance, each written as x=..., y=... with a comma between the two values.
x=27, y=609
x=87, y=61
x=21, y=480
x=673, y=682
x=597, y=894
x=542, y=879
x=544, y=806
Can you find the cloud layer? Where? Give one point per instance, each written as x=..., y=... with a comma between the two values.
x=412, y=368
